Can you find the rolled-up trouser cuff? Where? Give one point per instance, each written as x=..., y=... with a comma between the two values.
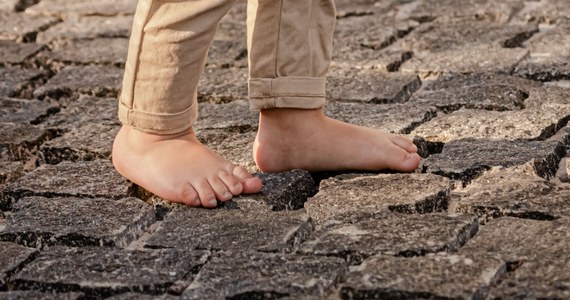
x=162, y=124
x=287, y=92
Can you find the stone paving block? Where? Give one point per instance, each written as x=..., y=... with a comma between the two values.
x=12, y=53
x=15, y=81
x=466, y=60
x=10, y=171
x=84, y=179
x=285, y=190
x=386, y=61
x=543, y=11
x=545, y=279
x=12, y=258
x=98, y=51
x=404, y=193
x=516, y=192
x=42, y=222
x=97, y=81
x=254, y=275
x=466, y=159
x=87, y=142
x=544, y=68
x=219, y=85
x=135, y=296
x=355, y=238
x=26, y=111
x=24, y=295
x=103, y=272
x=64, y=8
x=88, y=27
x=231, y=229
x=371, y=86
x=395, y=118
x=227, y=54
x=19, y=141
x=22, y=27
x=84, y=110
x=235, y=114
x=495, y=11
x=538, y=124
x=446, y=276
x=231, y=145
x=345, y=9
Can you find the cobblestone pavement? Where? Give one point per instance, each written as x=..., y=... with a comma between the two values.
x=483, y=87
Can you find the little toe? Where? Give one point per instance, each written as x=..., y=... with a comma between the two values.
x=206, y=194
x=404, y=143
x=189, y=196
x=234, y=185
x=220, y=189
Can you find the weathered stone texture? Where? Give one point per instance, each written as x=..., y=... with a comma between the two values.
x=12, y=258
x=359, y=236
x=92, y=179
x=255, y=275
x=443, y=276
x=85, y=110
x=42, y=222
x=98, y=51
x=64, y=9
x=233, y=115
x=409, y=193
x=103, y=272
x=537, y=124
x=384, y=61
x=90, y=80
x=88, y=27
x=516, y=192
x=10, y=171
x=15, y=81
x=17, y=53
x=231, y=229
x=227, y=53
x=466, y=159
x=25, y=295
x=221, y=85
x=395, y=118
x=22, y=27
x=231, y=145
x=347, y=8
x=26, y=111
x=544, y=11
x=495, y=11
x=19, y=141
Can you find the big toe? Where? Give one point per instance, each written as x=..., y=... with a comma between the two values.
x=402, y=160
x=250, y=183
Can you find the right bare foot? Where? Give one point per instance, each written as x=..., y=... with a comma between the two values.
x=179, y=168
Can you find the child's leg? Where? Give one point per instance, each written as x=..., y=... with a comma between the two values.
x=290, y=45
x=156, y=148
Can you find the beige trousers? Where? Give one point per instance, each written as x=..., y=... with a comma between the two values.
x=289, y=48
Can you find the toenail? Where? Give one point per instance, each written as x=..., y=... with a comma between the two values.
x=213, y=202
x=228, y=195
x=197, y=201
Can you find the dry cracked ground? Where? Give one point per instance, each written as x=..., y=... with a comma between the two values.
x=482, y=86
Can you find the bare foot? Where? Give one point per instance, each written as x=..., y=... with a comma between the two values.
x=307, y=139
x=179, y=168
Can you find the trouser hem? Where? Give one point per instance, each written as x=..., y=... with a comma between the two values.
x=287, y=92
x=162, y=123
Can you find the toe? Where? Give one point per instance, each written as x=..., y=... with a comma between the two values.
x=206, y=194
x=189, y=196
x=250, y=183
x=220, y=189
x=232, y=183
x=404, y=143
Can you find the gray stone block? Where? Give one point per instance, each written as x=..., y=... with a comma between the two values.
x=87, y=142
x=466, y=159
x=86, y=110
x=222, y=85
x=233, y=115
x=110, y=51
x=385, y=61
x=516, y=192
x=394, y=118
x=91, y=179
x=231, y=145
x=371, y=86
x=227, y=53
x=544, y=11
x=443, y=276
x=10, y=171
x=528, y=124
x=20, y=141
x=90, y=80
x=42, y=222
x=12, y=53
x=466, y=60
x=347, y=8
x=15, y=82
x=26, y=111
x=25, y=295
x=359, y=236
x=254, y=275
x=103, y=272
x=88, y=27
x=231, y=229
x=22, y=27
x=12, y=258
x=66, y=9
x=404, y=193
x=493, y=11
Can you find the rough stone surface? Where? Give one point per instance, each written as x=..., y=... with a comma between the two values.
x=231, y=229
x=256, y=275
x=42, y=222
x=86, y=110
x=23, y=295
x=90, y=80
x=16, y=81
x=544, y=11
x=22, y=27
x=92, y=179
x=475, y=59
x=65, y=9
x=87, y=142
x=10, y=171
x=233, y=115
x=98, y=51
x=529, y=125
x=371, y=86
x=466, y=159
x=12, y=258
x=412, y=193
x=446, y=276
x=17, y=53
x=102, y=272
x=495, y=11
x=231, y=145
x=516, y=192
x=357, y=237
x=222, y=85
x=88, y=27
x=19, y=141
x=395, y=118
x=227, y=53
x=26, y=111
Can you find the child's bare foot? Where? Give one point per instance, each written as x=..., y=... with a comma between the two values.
x=307, y=139
x=179, y=168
